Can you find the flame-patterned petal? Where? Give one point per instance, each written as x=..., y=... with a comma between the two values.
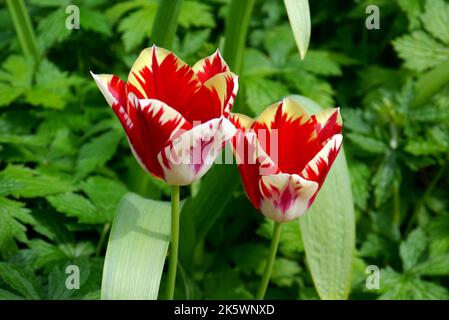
x=191, y=154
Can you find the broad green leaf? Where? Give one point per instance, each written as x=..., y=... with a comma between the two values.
x=328, y=228
x=299, y=15
x=137, y=249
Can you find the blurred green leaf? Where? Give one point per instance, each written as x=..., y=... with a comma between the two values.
x=412, y=249
x=299, y=16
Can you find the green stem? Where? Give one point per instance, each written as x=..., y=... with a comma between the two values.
x=103, y=235
x=174, y=243
x=396, y=205
x=165, y=23
x=270, y=261
x=422, y=200
x=24, y=29
x=239, y=14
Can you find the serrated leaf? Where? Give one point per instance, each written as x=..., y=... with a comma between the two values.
x=261, y=92
x=320, y=62
x=52, y=29
x=368, y=144
x=413, y=248
x=21, y=280
x=137, y=26
x=12, y=216
x=137, y=249
x=95, y=21
x=290, y=242
x=35, y=183
x=97, y=152
x=384, y=178
x=435, y=266
x=436, y=19
x=230, y=284
x=196, y=14
x=329, y=249
x=75, y=205
x=360, y=177
x=420, y=51
x=104, y=193
x=284, y=272
x=52, y=87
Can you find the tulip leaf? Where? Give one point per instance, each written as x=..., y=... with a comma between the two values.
x=328, y=228
x=299, y=16
x=137, y=249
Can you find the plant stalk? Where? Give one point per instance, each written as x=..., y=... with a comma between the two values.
x=174, y=242
x=165, y=23
x=237, y=24
x=270, y=261
x=24, y=29
x=103, y=235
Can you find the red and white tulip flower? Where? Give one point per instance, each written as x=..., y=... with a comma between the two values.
x=175, y=116
x=284, y=156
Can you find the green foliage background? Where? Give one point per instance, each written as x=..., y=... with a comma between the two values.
x=65, y=162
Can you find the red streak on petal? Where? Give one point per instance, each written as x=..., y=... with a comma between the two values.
x=295, y=145
x=211, y=69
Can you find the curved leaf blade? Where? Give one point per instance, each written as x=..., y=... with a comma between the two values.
x=137, y=249
x=299, y=15
x=328, y=229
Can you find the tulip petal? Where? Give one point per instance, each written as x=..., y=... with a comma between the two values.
x=287, y=133
x=318, y=168
x=191, y=154
x=210, y=66
x=114, y=91
x=241, y=121
x=252, y=162
x=328, y=123
x=156, y=125
x=285, y=197
x=159, y=74
x=225, y=85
